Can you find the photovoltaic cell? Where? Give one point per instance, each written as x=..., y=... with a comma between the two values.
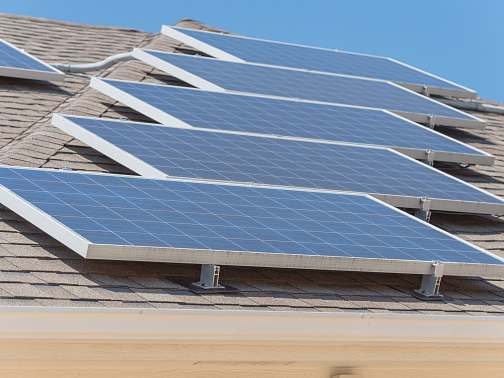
x=225, y=111
x=274, y=81
x=310, y=58
x=17, y=63
x=211, y=155
x=189, y=218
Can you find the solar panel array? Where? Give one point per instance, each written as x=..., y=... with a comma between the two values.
x=17, y=63
x=236, y=48
x=281, y=200
x=275, y=81
x=193, y=217
x=225, y=111
x=212, y=155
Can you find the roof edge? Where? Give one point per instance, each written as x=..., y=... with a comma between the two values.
x=195, y=325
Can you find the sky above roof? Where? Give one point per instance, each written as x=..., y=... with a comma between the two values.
x=460, y=40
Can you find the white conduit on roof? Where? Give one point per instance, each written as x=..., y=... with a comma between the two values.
x=86, y=67
x=122, y=57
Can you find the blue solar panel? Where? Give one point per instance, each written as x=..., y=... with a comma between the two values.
x=211, y=155
x=235, y=112
x=16, y=63
x=282, y=82
x=129, y=211
x=311, y=58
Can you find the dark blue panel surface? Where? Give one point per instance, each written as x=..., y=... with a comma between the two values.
x=289, y=118
x=230, y=157
x=339, y=62
x=121, y=210
x=306, y=85
x=12, y=58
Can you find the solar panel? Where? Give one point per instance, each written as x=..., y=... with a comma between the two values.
x=247, y=113
x=245, y=49
x=163, y=151
x=218, y=75
x=130, y=218
x=17, y=63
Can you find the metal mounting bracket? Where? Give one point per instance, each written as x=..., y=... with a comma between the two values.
x=425, y=90
x=424, y=212
x=209, y=278
x=429, y=157
x=431, y=121
x=429, y=288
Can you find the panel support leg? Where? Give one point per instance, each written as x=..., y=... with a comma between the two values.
x=209, y=277
x=424, y=212
x=429, y=288
x=431, y=121
x=425, y=91
x=429, y=157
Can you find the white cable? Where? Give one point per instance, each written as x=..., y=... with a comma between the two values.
x=86, y=67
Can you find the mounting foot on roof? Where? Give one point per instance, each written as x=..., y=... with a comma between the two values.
x=424, y=212
x=425, y=90
x=431, y=121
x=429, y=288
x=209, y=279
x=429, y=157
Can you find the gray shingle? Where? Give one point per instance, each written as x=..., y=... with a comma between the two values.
x=103, y=293
x=19, y=277
x=22, y=290
x=65, y=278
x=154, y=283
x=276, y=299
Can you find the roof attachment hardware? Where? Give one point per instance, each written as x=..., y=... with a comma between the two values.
x=429, y=157
x=429, y=288
x=425, y=90
x=209, y=279
x=431, y=121
x=424, y=212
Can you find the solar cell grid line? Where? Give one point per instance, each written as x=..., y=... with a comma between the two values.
x=15, y=62
x=102, y=216
x=190, y=107
x=237, y=48
x=161, y=151
x=218, y=75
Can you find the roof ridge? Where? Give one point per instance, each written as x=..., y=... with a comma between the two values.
x=69, y=23
x=198, y=25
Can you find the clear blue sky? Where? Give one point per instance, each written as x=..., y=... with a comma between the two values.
x=461, y=40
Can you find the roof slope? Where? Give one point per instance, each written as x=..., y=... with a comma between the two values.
x=37, y=270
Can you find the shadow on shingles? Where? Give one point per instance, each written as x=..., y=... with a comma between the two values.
x=468, y=174
x=189, y=51
x=467, y=222
x=166, y=79
x=14, y=84
x=125, y=112
x=98, y=160
x=463, y=135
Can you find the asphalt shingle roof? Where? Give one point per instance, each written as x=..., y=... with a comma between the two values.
x=36, y=270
